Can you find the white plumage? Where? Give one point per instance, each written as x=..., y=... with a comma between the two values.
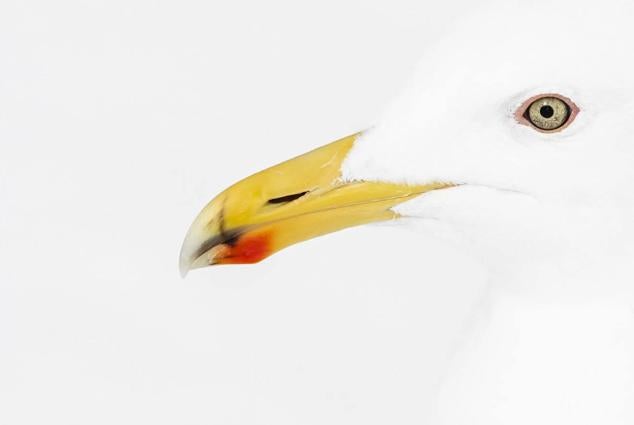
x=552, y=340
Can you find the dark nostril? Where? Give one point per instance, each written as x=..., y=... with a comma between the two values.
x=287, y=198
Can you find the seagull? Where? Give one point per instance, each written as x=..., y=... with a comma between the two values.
x=516, y=134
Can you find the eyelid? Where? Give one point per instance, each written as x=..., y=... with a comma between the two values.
x=520, y=113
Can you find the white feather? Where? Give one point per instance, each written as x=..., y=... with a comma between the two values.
x=549, y=214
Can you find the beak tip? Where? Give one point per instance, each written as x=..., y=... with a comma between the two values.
x=183, y=267
x=184, y=262
x=183, y=272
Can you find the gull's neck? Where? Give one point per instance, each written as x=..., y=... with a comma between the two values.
x=526, y=362
x=572, y=258
x=552, y=339
x=535, y=247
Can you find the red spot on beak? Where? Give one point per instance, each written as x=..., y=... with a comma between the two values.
x=249, y=249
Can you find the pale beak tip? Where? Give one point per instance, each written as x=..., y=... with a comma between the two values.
x=184, y=261
x=183, y=271
x=183, y=267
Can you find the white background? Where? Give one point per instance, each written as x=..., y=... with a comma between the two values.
x=119, y=120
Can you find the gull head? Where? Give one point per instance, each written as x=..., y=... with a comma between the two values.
x=517, y=124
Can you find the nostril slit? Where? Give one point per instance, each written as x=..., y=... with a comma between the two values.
x=286, y=198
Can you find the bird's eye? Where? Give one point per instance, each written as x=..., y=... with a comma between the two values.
x=547, y=113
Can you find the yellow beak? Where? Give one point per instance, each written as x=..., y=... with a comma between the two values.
x=288, y=203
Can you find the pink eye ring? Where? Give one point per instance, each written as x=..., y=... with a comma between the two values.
x=547, y=113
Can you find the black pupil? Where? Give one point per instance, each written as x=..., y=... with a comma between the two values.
x=546, y=111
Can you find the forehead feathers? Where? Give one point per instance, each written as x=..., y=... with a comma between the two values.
x=454, y=119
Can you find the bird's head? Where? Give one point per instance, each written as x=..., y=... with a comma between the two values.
x=521, y=114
